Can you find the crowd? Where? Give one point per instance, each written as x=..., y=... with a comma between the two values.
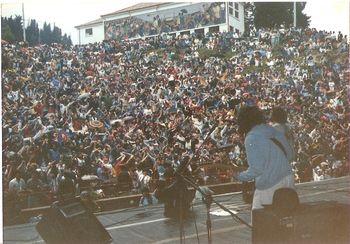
x=131, y=111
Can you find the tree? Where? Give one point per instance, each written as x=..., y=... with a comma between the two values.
x=302, y=19
x=56, y=35
x=12, y=31
x=32, y=33
x=45, y=34
x=7, y=34
x=15, y=25
x=66, y=41
x=274, y=14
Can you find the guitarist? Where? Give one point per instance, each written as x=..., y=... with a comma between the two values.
x=268, y=155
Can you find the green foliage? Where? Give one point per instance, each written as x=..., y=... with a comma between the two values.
x=56, y=35
x=207, y=53
x=276, y=52
x=15, y=26
x=302, y=19
x=66, y=40
x=32, y=33
x=252, y=69
x=229, y=54
x=45, y=34
x=12, y=31
x=274, y=14
x=7, y=34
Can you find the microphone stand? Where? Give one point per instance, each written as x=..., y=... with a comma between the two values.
x=235, y=216
x=181, y=184
x=207, y=197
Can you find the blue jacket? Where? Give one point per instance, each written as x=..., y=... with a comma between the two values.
x=267, y=162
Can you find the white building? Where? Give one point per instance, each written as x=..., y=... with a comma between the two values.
x=90, y=32
x=151, y=19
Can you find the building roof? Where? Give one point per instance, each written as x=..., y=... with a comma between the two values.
x=96, y=21
x=137, y=7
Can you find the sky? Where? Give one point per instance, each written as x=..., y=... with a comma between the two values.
x=325, y=14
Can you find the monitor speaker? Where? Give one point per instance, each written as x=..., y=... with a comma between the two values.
x=71, y=222
x=318, y=222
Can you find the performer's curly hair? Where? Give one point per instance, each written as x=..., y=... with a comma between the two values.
x=248, y=117
x=279, y=115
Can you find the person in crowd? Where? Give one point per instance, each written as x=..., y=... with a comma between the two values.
x=124, y=179
x=147, y=198
x=66, y=187
x=15, y=197
x=279, y=122
x=17, y=184
x=35, y=187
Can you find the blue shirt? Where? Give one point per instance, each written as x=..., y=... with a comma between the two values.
x=268, y=165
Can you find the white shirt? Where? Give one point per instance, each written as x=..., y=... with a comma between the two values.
x=17, y=185
x=144, y=180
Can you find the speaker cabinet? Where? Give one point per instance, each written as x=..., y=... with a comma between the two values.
x=70, y=222
x=318, y=222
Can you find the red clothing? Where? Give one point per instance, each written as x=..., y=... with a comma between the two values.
x=117, y=166
x=38, y=108
x=76, y=125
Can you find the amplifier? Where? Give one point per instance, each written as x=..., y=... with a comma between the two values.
x=317, y=222
x=70, y=222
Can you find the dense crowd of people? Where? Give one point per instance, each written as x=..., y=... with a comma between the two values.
x=131, y=111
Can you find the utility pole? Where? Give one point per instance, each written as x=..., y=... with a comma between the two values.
x=295, y=15
x=24, y=24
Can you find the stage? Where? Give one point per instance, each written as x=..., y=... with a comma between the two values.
x=148, y=225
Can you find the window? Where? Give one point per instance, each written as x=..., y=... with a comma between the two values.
x=214, y=29
x=236, y=8
x=230, y=11
x=237, y=31
x=199, y=32
x=88, y=32
x=231, y=28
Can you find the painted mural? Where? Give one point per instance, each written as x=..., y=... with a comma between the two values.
x=197, y=15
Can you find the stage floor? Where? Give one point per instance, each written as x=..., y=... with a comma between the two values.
x=148, y=225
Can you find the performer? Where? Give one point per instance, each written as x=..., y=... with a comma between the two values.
x=268, y=155
x=279, y=122
x=176, y=198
